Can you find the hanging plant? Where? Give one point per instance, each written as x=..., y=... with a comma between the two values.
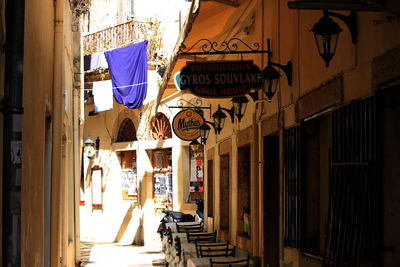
x=80, y=7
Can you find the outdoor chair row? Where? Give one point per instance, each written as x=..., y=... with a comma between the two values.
x=190, y=228
x=220, y=253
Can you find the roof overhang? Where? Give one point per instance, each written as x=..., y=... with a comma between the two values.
x=215, y=20
x=233, y=3
x=391, y=6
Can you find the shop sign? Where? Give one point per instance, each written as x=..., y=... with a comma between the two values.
x=186, y=124
x=220, y=79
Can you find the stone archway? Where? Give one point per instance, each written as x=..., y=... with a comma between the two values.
x=127, y=131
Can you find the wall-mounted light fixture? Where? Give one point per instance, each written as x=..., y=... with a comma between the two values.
x=326, y=33
x=194, y=145
x=205, y=131
x=270, y=76
x=239, y=104
x=91, y=147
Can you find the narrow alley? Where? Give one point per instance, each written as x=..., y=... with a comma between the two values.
x=191, y=133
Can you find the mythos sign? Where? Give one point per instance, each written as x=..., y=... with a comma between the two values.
x=218, y=79
x=186, y=124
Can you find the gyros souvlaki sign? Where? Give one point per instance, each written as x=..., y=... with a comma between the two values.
x=186, y=124
x=219, y=79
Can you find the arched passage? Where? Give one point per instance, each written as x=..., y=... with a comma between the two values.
x=127, y=131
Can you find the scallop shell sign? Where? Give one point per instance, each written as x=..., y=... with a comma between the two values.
x=186, y=124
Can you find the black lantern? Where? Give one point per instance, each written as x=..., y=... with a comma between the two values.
x=239, y=106
x=326, y=33
x=219, y=120
x=90, y=150
x=270, y=76
x=204, y=132
x=194, y=145
x=270, y=79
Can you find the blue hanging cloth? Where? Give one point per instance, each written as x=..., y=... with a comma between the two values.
x=128, y=70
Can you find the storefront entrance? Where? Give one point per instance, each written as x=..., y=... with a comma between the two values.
x=162, y=178
x=271, y=200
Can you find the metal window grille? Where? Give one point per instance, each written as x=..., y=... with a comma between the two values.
x=292, y=187
x=354, y=191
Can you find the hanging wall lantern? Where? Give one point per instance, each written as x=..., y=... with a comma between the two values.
x=219, y=120
x=194, y=145
x=204, y=132
x=239, y=106
x=89, y=146
x=326, y=33
x=270, y=79
x=270, y=76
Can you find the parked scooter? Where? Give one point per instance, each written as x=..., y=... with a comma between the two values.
x=173, y=216
x=177, y=216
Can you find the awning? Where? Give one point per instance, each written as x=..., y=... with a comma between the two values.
x=216, y=21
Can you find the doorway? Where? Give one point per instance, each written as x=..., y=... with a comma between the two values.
x=391, y=174
x=224, y=197
x=162, y=178
x=271, y=200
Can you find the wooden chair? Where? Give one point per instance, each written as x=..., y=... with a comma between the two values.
x=193, y=237
x=193, y=228
x=235, y=263
x=220, y=249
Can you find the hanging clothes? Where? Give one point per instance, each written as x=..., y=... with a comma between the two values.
x=94, y=61
x=103, y=95
x=128, y=70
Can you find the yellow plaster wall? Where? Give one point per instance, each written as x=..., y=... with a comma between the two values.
x=48, y=77
x=291, y=39
x=38, y=83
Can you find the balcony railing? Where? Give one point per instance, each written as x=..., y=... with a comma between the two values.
x=125, y=34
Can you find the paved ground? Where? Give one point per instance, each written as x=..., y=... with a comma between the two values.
x=116, y=255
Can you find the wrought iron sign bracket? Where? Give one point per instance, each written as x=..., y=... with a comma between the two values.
x=226, y=47
x=184, y=104
x=196, y=105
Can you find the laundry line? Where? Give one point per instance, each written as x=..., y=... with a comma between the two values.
x=118, y=87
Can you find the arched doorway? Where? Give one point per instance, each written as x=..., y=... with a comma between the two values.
x=129, y=183
x=127, y=131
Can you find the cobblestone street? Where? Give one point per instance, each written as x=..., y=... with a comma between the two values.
x=117, y=255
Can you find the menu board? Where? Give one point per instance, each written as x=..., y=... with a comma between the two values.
x=196, y=170
x=129, y=181
x=160, y=185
